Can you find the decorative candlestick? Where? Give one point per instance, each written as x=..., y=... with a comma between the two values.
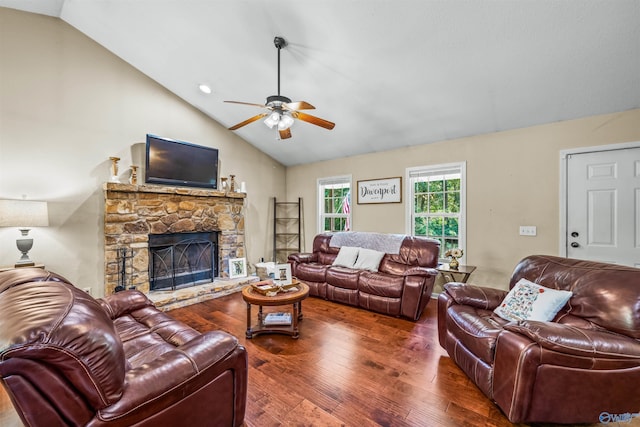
x=114, y=169
x=133, y=179
x=232, y=186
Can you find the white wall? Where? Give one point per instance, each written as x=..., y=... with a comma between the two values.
x=66, y=106
x=513, y=179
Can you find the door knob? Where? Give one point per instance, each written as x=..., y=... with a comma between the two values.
x=574, y=234
x=574, y=244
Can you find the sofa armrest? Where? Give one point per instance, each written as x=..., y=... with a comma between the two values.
x=420, y=271
x=475, y=296
x=576, y=341
x=303, y=257
x=124, y=302
x=177, y=373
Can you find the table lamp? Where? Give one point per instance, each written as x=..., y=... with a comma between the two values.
x=24, y=214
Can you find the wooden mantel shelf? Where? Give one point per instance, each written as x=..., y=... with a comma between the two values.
x=165, y=189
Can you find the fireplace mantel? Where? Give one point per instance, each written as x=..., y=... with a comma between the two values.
x=164, y=189
x=134, y=211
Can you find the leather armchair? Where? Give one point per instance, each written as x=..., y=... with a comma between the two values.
x=67, y=359
x=581, y=366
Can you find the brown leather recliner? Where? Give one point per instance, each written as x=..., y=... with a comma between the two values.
x=67, y=359
x=581, y=367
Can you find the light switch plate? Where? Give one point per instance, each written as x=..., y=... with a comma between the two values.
x=528, y=230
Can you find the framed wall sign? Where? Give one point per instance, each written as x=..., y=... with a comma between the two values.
x=385, y=190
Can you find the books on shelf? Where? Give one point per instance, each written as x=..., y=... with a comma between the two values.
x=277, y=319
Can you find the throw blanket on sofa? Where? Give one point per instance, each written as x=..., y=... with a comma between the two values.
x=387, y=243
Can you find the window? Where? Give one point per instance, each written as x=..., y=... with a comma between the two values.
x=436, y=208
x=334, y=204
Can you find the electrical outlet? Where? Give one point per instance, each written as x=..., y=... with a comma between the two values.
x=87, y=290
x=528, y=230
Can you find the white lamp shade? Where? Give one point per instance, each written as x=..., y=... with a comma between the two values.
x=23, y=213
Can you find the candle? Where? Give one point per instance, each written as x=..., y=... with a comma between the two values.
x=243, y=187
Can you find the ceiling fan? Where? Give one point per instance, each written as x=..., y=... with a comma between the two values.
x=281, y=111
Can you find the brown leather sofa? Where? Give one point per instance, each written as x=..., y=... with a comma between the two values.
x=67, y=359
x=402, y=286
x=581, y=367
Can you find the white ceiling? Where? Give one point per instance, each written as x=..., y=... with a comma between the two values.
x=389, y=73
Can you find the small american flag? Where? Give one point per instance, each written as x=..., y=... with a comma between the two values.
x=346, y=209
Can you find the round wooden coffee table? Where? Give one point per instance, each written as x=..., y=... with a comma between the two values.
x=253, y=297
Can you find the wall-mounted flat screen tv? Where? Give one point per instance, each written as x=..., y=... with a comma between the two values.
x=179, y=163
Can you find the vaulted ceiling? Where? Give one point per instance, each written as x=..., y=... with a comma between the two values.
x=389, y=73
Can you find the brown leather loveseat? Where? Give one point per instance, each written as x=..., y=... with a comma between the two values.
x=67, y=359
x=582, y=366
x=401, y=285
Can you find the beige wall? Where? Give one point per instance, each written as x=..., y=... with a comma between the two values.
x=513, y=179
x=66, y=105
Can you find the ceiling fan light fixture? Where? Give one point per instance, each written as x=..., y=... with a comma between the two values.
x=286, y=121
x=272, y=119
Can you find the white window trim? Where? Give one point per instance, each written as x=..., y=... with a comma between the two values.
x=320, y=198
x=462, y=224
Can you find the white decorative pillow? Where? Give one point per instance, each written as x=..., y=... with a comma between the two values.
x=346, y=257
x=368, y=259
x=530, y=301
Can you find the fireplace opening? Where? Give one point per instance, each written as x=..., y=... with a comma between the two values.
x=180, y=260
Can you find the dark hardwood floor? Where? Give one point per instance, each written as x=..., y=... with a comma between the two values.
x=350, y=367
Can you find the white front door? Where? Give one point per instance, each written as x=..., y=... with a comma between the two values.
x=603, y=206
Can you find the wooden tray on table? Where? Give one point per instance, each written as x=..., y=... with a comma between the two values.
x=265, y=287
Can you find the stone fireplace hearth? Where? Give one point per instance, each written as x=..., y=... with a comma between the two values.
x=133, y=212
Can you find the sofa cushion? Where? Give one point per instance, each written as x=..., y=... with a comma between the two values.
x=342, y=277
x=311, y=272
x=529, y=301
x=346, y=257
x=368, y=259
x=381, y=284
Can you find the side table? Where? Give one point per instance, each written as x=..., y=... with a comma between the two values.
x=449, y=274
x=252, y=297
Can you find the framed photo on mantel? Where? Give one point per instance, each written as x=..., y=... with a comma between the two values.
x=237, y=267
x=384, y=190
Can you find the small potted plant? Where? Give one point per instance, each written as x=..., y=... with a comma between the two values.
x=454, y=254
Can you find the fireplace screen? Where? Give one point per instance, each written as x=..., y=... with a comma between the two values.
x=181, y=260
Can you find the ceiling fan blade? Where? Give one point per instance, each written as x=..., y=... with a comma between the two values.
x=246, y=103
x=299, y=105
x=250, y=120
x=313, y=120
x=284, y=134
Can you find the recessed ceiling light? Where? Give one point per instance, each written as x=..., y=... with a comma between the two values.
x=205, y=89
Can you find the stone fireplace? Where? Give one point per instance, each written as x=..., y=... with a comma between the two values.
x=133, y=213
